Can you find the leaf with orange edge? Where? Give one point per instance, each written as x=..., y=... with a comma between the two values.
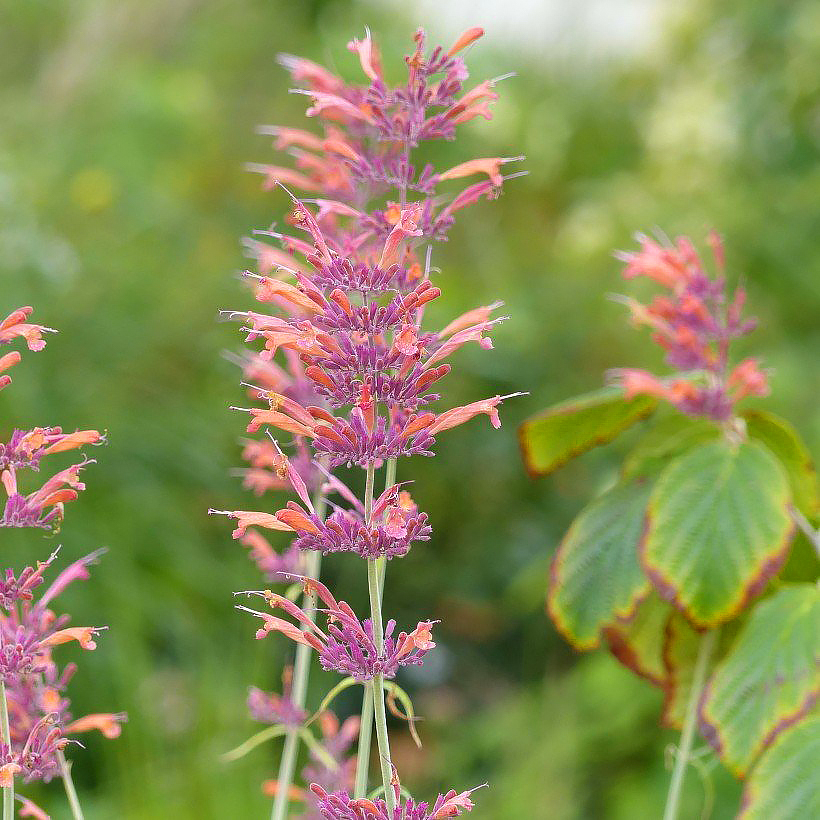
x=595, y=576
x=768, y=680
x=718, y=528
x=784, y=784
x=564, y=431
x=637, y=642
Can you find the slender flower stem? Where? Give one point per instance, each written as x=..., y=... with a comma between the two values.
x=707, y=645
x=365, y=741
x=377, y=685
x=8, y=793
x=811, y=534
x=366, y=726
x=70, y=791
x=298, y=694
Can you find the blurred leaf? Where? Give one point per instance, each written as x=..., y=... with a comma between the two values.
x=566, y=430
x=768, y=680
x=637, y=642
x=680, y=650
x=785, y=442
x=784, y=785
x=718, y=528
x=595, y=575
x=666, y=439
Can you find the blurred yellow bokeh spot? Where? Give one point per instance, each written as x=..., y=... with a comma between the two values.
x=92, y=189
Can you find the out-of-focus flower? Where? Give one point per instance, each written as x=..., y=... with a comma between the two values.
x=695, y=322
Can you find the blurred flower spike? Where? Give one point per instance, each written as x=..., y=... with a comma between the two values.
x=695, y=322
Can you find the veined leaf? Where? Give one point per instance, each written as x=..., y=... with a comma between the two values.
x=784, y=785
x=637, y=642
x=768, y=680
x=595, y=576
x=717, y=529
x=566, y=430
x=668, y=438
x=785, y=443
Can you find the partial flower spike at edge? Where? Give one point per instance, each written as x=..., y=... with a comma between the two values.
x=36, y=723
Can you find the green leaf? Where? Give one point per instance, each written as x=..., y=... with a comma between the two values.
x=566, y=430
x=784, y=785
x=595, y=576
x=680, y=649
x=785, y=443
x=668, y=438
x=769, y=678
x=637, y=642
x=718, y=527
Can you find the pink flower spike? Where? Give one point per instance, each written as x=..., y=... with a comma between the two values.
x=110, y=725
x=84, y=635
x=28, y=808
x=490, y=166
x=368, y=56
x=472, y=317
x=78, y=571
x=250, y=518
x=404, y=228
x=459, y=415
x=465, y=39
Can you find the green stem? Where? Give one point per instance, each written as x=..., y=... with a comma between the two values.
x=707, y=645
x=8, y=793
x=298, y=694
x=377, y=686
x=365, y=741
x=366, y=726
x=70, y=791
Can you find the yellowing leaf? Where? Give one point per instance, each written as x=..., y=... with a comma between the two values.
x=768, y=680
x=718, y=528
x=551, y=439
x=595, y=576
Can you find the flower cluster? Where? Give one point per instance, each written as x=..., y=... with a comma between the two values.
x=694, y=322
x=347, y=646
x=32, y=685
x=347, y=285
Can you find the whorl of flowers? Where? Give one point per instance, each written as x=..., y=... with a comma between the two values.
x=347, y=645
x=695, y=323
x=346, y=286
x=340, y=805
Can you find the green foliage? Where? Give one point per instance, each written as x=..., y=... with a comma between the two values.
x=569, y=429
x=668, y=437
x=780, y=437
x=718, y=528
x=784, y=784
x=769, y=678
x=596, y=577
x=638, y=642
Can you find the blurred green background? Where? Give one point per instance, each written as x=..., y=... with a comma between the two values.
x=123, y=129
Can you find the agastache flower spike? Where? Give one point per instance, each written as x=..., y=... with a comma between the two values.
x=346, y=297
